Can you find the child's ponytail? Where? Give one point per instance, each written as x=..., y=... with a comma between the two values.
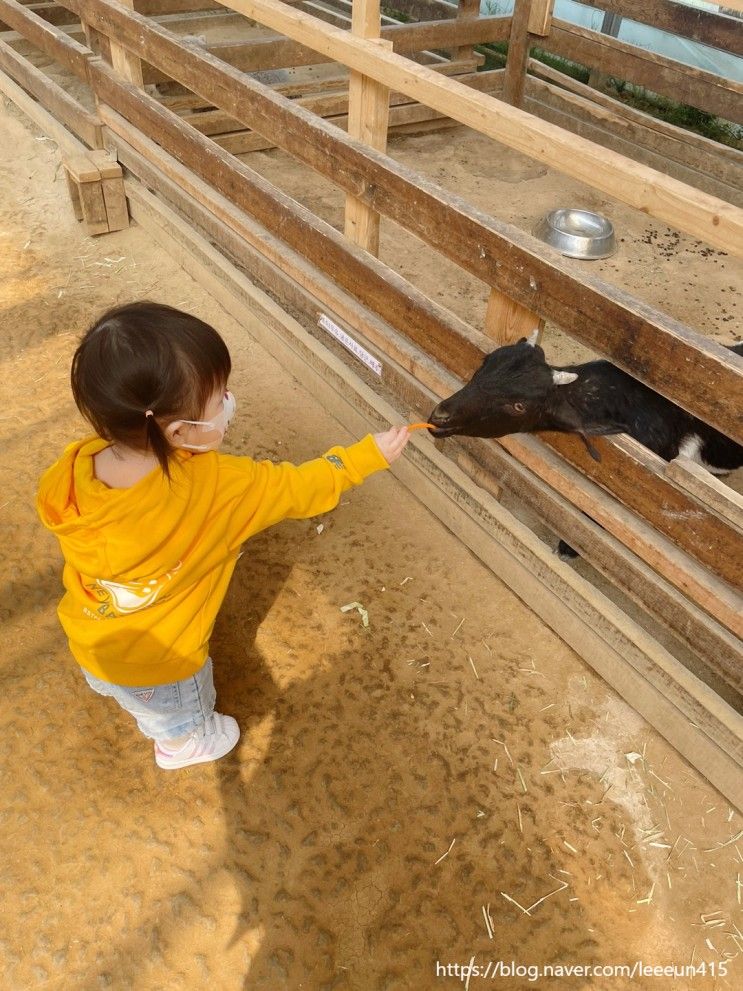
x=157, y=442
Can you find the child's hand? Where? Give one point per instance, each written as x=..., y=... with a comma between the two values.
x=392, y=442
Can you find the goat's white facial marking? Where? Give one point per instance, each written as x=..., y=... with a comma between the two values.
x=563, y=378
x=532, y=339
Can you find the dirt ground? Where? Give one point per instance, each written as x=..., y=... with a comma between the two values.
x=393, y=786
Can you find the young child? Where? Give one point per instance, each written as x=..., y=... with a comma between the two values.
x=151, y=518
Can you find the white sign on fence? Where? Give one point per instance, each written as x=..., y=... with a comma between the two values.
x=348, y=342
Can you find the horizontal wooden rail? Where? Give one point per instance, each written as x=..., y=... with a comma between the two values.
x=47, y=37
x=710, y=28
x=51, y=96
x=664, y=76
x=707, y=156
x=697, y=373
x=714, y=221
x=278, y=53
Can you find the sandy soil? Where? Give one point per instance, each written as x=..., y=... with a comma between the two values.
x=390, y=783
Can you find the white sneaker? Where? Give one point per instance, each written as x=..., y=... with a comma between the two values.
x=212, y=740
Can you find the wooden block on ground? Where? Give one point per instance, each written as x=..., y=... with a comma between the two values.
x=74, y=196
x=112, y=184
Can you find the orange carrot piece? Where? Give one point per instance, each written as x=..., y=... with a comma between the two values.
x=421, y=426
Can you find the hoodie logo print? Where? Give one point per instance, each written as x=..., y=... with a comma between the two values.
x=128, y=597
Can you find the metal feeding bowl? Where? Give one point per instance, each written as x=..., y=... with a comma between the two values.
x=577, y=233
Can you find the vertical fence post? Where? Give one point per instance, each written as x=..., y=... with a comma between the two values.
x=531, y=19
x=128, y=65
x=506, y=320
x=467, y=10
x=368, y=117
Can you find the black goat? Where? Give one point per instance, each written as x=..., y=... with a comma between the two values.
x=516, y=391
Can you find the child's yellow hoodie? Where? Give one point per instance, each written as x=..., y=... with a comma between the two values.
x=146, y=568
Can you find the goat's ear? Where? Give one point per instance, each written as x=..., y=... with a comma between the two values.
x=532, y=339
x=563, y=378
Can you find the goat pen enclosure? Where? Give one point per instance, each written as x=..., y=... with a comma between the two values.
x=174, y=112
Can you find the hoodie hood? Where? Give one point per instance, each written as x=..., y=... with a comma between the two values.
x=95, y=524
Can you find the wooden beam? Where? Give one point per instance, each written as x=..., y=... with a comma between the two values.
x=697, y=722
x=697, y=373
x=507, y=321
x=51, y=96
x=540, y=17
x=664, y=76
x=708, y=27
x=124, y=62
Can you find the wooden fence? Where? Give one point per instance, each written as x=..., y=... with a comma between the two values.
x=629, y=514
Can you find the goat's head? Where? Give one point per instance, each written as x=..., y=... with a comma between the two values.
x=506, y=395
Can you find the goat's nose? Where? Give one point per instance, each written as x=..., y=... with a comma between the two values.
x=439, y=416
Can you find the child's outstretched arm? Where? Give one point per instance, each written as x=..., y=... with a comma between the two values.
x=261, y=493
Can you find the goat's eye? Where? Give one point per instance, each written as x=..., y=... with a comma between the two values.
x=515, y=408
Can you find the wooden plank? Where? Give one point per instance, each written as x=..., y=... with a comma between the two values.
x=291, y=277
x=51, y=96
x=687, y=209
x=638, y=478
x=47, y=37
x=368, y=119
x=124, y=62
x=518, y=54
x=468, y=11
x=710, y=28
x=704, y=729
x=112, y=185
x=664, y=76
x=630, y=140
x=703, y=154
x=74, y=192
x=507, y=321
x=726, y=502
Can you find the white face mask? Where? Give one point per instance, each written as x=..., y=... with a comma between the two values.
x=218, y=425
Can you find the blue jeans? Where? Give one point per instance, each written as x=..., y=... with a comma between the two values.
x=164, y=711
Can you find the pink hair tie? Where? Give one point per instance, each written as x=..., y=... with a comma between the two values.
x=148, y=412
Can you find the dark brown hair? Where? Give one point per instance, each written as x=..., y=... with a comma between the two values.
x=147, y=356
